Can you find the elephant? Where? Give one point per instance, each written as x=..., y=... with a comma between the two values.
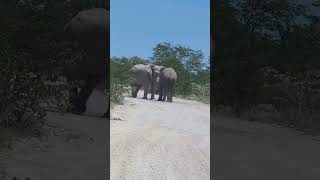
x=167, y=83
x=90, y=29
x=156, y=86
x=156, y=91
x=144, y=75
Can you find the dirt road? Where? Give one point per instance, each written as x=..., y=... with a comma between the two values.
x=76, y=148
x=250, y=150
x=160, y=140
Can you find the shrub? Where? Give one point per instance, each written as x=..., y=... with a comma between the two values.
x=296, y=97
x=22, y=92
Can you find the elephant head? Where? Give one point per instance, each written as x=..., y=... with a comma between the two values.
x=90, y=29
x=154, y=71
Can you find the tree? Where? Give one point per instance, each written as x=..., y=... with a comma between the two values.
x=187, y=62
x=269, y=17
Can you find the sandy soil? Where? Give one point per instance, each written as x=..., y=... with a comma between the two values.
x=160, y=140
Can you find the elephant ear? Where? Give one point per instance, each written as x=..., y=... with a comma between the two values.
x=150, y=69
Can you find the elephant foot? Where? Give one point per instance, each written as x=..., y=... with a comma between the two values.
x=77, y=109
x=144, y=98
x=159, y=99
x=152, y=98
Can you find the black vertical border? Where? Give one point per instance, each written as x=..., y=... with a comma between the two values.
x=212, y=80
x=108, y=89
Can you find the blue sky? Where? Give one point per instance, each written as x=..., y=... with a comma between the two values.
x=136, y=26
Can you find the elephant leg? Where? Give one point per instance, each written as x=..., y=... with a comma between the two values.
x=73, y=92
x=146, y=89
x=168, y=92
x=170, y=99
x=173, y=86
x=132, y=92
x=107, y=114
x=136, y=90
x=152, y=91
x=172, y=94
x=160, y=93
x=77, y=105
x=73, y=98
x=85, y=93
x=165, y=93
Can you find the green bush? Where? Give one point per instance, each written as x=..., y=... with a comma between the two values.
x=118, y=90
x=32, y=52
x=22, y=92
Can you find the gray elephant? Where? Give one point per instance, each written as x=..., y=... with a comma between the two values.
x=156, y=87
x=167, y=83
x=90, y=29
x=156, y=91
x=144, y=76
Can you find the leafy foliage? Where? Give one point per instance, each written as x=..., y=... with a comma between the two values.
x=188, y=64
x=33, y=49
x=263, y=56
x=120, y=77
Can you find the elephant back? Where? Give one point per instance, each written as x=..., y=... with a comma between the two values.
x=88, y=20
x=173, y=74
x=168, y=73
x=90, y=28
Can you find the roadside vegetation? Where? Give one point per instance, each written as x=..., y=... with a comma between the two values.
x=33, y=49
x=267, y=63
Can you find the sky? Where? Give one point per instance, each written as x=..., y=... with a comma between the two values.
x=137, y=26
